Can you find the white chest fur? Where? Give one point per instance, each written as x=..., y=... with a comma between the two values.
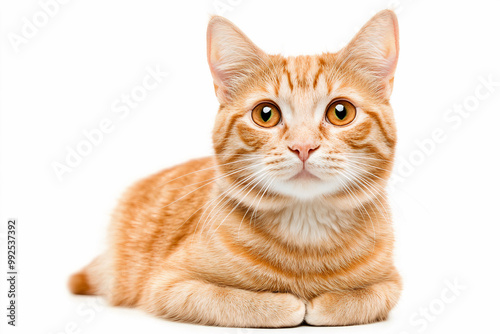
x=309, y=222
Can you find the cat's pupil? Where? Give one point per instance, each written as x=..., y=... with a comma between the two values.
x=266, y=113
x=340, y=111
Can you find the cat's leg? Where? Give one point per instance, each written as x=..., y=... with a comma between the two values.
x=178, y=298
x=354, y=307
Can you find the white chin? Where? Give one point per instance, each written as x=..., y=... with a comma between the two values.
x=305, y=188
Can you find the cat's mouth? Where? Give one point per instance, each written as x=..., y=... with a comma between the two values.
x=305, y=175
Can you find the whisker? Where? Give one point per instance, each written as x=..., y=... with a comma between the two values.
x=366, y=211
x=360, y=169
x=251, y=206
x=214, y=178
x=258, y=203
x=204, y=169
x=369, y=186
x=360, y=156
x=206, y=204
x=352, y=197
x=236, y=206
x=221, y=196
x=234, y=172
x=368, y=165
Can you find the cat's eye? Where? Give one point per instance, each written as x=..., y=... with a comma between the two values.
x=340, y=112
x=266, y=114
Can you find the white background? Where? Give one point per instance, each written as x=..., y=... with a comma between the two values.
x=66, y=78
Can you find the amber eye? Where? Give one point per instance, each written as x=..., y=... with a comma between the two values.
x=340, y=112
x=266, y=114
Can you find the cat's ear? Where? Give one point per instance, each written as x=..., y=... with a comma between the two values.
x=374, y=51
x=231, y=55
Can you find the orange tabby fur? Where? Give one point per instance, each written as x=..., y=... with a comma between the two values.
x=218, y=241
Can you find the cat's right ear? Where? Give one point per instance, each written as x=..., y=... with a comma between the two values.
x=231, y=55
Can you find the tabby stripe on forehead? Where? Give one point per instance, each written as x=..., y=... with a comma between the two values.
x=316, y=77
x=389, y=139
x=277, y=85
x=290, y=84
x=321, y=64
x=288, y=75
x=302, y=73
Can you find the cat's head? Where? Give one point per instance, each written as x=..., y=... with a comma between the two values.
x=304, y=127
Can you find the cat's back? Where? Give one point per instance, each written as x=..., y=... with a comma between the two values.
x=154, y=216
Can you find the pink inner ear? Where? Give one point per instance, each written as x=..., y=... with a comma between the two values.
x=375, y=49
x=391, y=45
x=231, y=56
x=220, y=77
x=390, y=62
x=213, y=55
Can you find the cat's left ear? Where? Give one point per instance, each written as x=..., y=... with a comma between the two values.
x=231, y=55
x=374, y=51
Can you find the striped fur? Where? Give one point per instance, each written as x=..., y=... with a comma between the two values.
x=241, y=238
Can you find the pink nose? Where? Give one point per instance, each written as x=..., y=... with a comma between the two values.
x=303, y=151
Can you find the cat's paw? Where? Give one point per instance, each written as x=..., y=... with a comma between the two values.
x=316, y=314
x=332, y=309
x=296, y=316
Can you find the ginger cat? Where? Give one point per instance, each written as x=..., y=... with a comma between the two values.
x=288, y=222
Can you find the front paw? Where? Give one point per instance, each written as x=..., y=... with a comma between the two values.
x=343, y=309
x=296, y=311
x=316, y=313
